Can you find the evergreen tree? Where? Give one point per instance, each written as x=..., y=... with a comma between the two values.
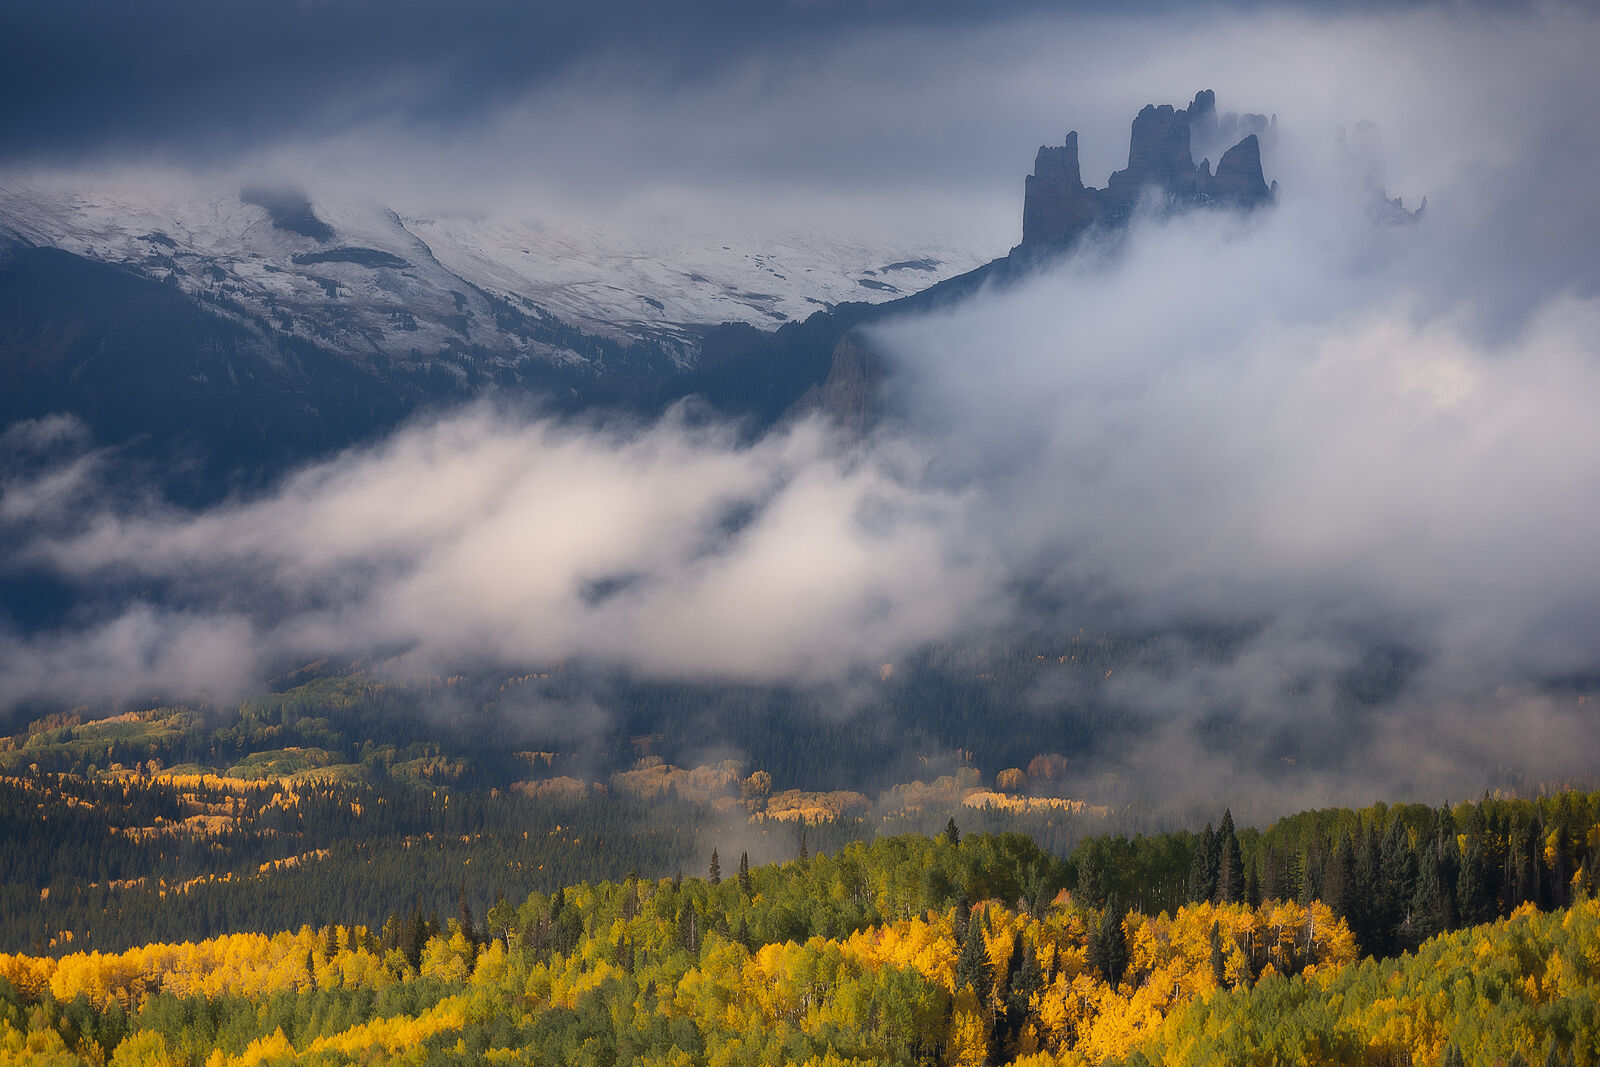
x=951, y=833
x=745, y=885
x=1433, y=904
x=973, y=969
x=416, y=935
x=1365, y=913
x=1396, y=887
x=1091, y=879
x=1021, y=982
x=1338, y=883
x=1108, y=945
x=1474, y=900
x=1230, y=864
x=1313, y=870
x=1274, y=875
x=1202, y=883
x=715, y=874
x=804, y=854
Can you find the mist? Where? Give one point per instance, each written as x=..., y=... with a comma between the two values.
x=1340, y=439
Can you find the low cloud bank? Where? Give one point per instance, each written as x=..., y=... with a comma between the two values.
x=481, y=536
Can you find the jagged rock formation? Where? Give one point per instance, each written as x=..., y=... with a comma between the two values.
x=1058, y=208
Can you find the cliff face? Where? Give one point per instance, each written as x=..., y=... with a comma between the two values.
x=1058, y=208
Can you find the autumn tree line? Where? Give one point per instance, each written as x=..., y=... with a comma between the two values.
x=957, y=949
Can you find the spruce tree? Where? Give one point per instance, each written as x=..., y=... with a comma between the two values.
x=1474, y=901
x=1313, y=871
x=1108, y=946
x=1091, y=882
x=1397, y=875
x=1364, y=912
x=951, y=833
x=1203, y=868
x=1274, y=876
x=1432, y=904
x=745, y=886
x=1229, y=888
x=714, y=876
x=973, y=968
x=1338, y=884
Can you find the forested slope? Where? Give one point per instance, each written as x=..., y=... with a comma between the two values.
x=907, y=950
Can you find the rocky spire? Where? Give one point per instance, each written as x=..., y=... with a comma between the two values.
x=1057, y=207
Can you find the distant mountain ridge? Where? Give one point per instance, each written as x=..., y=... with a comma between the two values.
x=257, y=330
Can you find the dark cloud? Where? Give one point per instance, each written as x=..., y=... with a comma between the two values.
x=195, y=80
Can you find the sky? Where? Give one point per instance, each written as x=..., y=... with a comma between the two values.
x=1335, y=434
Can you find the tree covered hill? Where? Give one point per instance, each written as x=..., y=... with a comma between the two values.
x=908, y=950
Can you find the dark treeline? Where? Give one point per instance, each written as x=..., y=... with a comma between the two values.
x=1397, y=874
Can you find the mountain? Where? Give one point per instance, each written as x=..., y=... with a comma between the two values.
x=230, y=334
x=226, y=336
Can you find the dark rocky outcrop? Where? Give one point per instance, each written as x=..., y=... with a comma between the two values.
x=825, y=363
x=1058, y=208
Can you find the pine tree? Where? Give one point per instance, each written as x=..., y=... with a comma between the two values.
x=1091, y=882
x=1313, y=871
x=1364, y=913
x=1230, y=864
x=715, y=874
x=804, y=854
x=1108, y=946
x=1203, y=869
x=973, y=968
x=1022, y=981
x=1397, y=875
x=951, y=833
x=1432, y=904
x=1274, y=876
x=1338, y=883
x=745, y=886
x=1474, y=901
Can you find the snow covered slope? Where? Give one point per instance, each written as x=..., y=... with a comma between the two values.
x=361, y=279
